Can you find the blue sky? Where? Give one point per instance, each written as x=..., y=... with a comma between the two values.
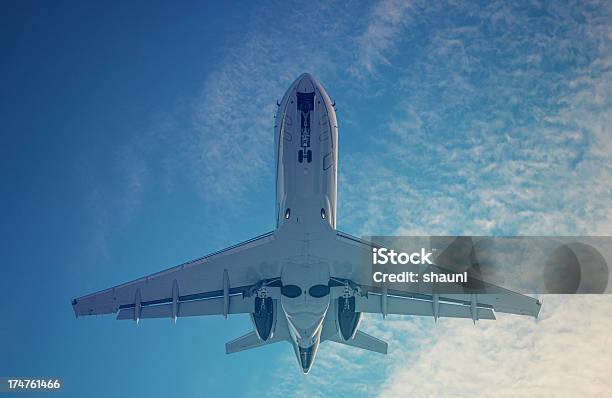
x=138, y=136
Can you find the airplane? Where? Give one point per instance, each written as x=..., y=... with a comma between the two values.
x=299, y=282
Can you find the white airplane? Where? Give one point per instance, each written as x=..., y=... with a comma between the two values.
x=300, y=282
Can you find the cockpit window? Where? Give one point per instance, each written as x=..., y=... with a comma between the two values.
x=319, y=291
x=291, y=291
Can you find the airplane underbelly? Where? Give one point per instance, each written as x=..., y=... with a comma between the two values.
x=306, y=155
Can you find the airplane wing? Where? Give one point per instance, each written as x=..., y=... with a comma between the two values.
x=219, y=283
x=377, y=299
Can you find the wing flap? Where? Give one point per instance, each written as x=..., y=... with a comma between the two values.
x=509, y=303
x=213, y=306
x=408, y=306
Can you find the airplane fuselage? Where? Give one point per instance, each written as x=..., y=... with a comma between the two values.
x=306, y=140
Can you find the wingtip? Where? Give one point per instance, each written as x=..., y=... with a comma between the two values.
x=539, y=304
x=74, y=303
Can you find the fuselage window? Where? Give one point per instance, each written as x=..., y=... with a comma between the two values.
x=319, y=291
x=323, y=213
x=291, y=291
x=287, y=213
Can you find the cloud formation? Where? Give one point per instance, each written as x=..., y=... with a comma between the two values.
x=500, y=125
x=496, y=120
x=566, y=353
x=384, y=23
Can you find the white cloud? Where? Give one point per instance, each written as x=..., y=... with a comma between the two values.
x=130, y=174
x=385, y=23
x=502, y=125
x=134, y=172
x=567, y=353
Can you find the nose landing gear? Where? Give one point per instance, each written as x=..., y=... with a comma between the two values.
x=301, y=156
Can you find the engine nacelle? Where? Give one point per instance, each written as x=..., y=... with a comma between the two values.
x=264, y=317
x=348, y=318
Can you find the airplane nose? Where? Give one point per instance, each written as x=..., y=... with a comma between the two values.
x=305, y=83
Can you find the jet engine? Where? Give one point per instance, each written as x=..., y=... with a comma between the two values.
x=348, y=318
x=264, y=317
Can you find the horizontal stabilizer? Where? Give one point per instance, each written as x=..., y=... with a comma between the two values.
x=364, y=341
x=248, y=341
